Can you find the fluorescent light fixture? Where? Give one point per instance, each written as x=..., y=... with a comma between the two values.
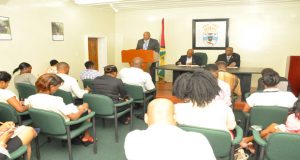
x=94, y=1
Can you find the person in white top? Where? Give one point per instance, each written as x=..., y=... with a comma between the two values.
x=136, y=76
x=225, y=92
x=201, y=108
x=271, y=95
x=70, y=84
x=52, y=68
x=48, y=84
x=163, y=140
x=7, y=96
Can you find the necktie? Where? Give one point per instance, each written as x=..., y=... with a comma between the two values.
x=145, y=45
x=228, y=58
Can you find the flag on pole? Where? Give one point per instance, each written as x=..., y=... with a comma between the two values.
x=162, y=52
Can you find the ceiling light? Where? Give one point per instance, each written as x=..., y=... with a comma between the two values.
x=94, y=1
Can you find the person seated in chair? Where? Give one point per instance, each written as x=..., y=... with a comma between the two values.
x=12, y=137
x=70, y=84
x=89, y=72
x=48, y=84
x=292, y=125
x=7, y=96
x=25, y=75
x=230, y=58
x=189, y=59
x=112, y=87
x=271, y=95
x=283, y=85
x=163, y=140
x=52, y=68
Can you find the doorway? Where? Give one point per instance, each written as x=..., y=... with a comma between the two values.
x=97, y=51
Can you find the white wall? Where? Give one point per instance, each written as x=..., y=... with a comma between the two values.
x=263, y=35
x=31, y=35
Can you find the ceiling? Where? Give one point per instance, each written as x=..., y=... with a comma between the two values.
x=126, y=5
x=123, y=5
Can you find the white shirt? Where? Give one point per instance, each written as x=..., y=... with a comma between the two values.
x=89, y=74
x=272, y=97
x=51, y=103
x=137, y=76
x=70, y=85
x=216, y=115
x=225, y=92
x=189, y=60
x=167, y=142
x=5, y=95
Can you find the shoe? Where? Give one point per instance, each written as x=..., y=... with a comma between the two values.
x=87, y=140
x=126, y=122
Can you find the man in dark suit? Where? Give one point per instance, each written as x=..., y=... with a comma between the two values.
x=148, y=43
x=189, y=59
x=232, y=59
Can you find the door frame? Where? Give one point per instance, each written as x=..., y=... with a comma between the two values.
x=102, y=50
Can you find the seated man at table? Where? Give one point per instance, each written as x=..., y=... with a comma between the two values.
x=230, y=58
x=189, y=59
x=136, y=76
x=70, y=84
x=231, y=79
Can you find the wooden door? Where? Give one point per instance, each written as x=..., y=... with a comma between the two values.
x=93, y=51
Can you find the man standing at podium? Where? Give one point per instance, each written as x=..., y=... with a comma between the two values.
x=148, y=43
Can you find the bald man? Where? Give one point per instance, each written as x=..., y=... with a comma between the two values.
x=189, y=59
x=163, y=140
x=70, y=84
x=136, y=76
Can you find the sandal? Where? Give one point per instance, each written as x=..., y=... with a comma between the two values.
x=87, y=140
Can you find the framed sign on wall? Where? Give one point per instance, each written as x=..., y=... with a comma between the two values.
x=210, y=34
x=57, y=31
x=5, y=33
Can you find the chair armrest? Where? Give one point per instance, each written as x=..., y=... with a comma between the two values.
x=22, y=113
x=150, y=91
x=258, y=139
x=81, y=119
x=124, y=103
x=239, y=135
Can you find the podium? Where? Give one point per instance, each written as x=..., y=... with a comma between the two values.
x=292, y=72
x=148, y=57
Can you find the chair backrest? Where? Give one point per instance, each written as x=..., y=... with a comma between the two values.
x=100, y=104
x=135, y=92
x=66, y=96
x=266, y=115
x=49, y=122
x=8, y=113
x=25, y=90
x=219, y=140
x=203, y=57
x=283, y=146
x=87, y=83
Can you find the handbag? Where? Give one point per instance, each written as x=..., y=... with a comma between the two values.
x=240, y=154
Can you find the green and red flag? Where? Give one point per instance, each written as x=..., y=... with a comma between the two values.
x=162, y=52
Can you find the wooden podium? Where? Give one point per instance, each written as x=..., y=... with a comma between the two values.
x=148, y=57
x=293, y=70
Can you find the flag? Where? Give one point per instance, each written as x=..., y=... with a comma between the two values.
x=162, y=52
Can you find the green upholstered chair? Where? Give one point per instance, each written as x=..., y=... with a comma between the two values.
x=220, y=141
x=265, y=115
x=25, y=90
x=66, y=96
x=138, y=95
x=53, y=125
x=8, y=113
x=240, y=118
x=104, y=108
x=203, y=57
x=87, y=83
x=278, y=146
x=18, y=153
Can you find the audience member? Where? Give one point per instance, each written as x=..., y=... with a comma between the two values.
x=283, y=85
x=271, y=95
x=201, y=108
x=112, y=87
x=292, y=125
x=231, y=79
x=8, y=96
x=25, y=75
x=89, y=72
x=48, y=84
x=225, y=92
x=12, y=137
x=70, y=84
x=230, y=58
x=163, y=140
x=189, y=59
x=52, y=68
x=136, y=76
